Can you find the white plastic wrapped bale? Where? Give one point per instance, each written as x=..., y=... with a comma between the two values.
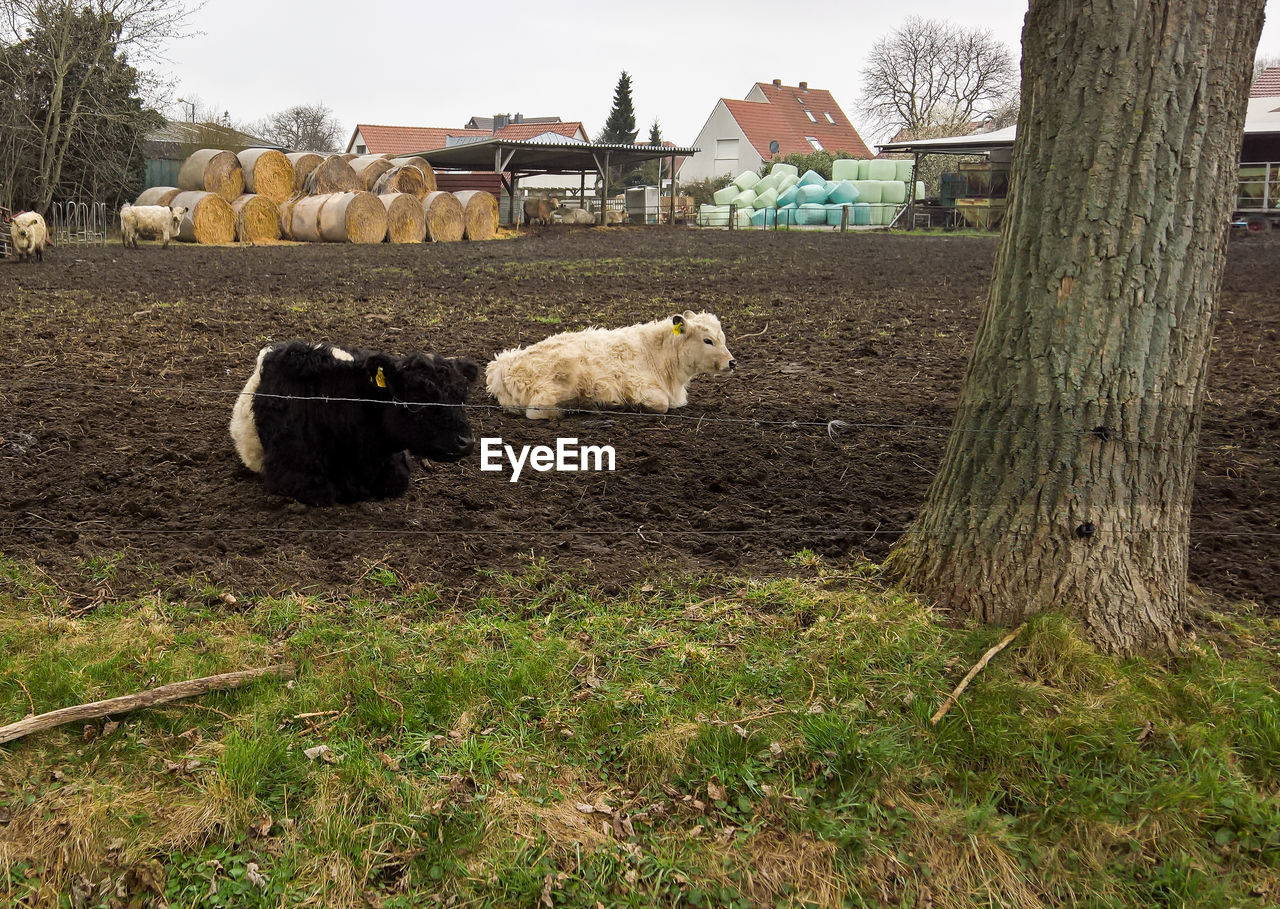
x=743, y=217
x=882, y=169
x=766, y=183
x=811, y=213
x=919, y=190
x=868, y=190
x=814, y=193
x=905, y=171
x=789, y=170
x=766, y=199
x=744, y=199
x=713, y=215
x=746, y=180
x=894, y=192
x=786, y=181
x=726, y=195
x=844, y=169
x=842, y=193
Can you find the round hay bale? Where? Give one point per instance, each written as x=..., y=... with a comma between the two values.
x=348, y=156
x=267, y=172
x=285, y=212
x=353, y=218
x=212, y=170
x=209, y=219
x=304, y=218
x=303, y=164
x=157, y=195
x=369, y=168
x=422, y=164
x=479, y=214
x=445, y=219
x=257, y=218
x=406, y=221
x=333, y=175
x=404, y=178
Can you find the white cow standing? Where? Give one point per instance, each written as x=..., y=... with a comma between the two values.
x=156, y=222
x=30, y=236
x=650, y=365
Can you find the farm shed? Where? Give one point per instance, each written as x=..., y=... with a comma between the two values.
x=166, y=148
x=511, y=159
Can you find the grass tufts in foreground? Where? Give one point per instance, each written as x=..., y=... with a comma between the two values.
x=707, y=741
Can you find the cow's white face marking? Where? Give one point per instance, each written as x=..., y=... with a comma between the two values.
x=342, y=356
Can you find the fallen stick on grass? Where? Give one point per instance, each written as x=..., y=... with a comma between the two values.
x=964, y=683
x=129, y=702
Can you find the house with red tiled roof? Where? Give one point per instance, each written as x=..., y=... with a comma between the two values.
x=773, y=121
x=1267, y=85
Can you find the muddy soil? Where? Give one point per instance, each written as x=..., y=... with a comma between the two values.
x=121, y=370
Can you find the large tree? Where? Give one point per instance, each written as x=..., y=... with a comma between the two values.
x=620, y=128
x=72, y=96
x=929, y=73
x=303, y=127
x=1066, y=482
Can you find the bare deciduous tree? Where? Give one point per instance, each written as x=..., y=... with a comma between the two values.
x=303, y=127
x=65, y=62
x=930, y=73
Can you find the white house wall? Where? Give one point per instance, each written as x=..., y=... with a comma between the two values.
x=710, y=161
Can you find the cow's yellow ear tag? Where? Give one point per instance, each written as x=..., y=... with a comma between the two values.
x=675, y=329
x=380, y=380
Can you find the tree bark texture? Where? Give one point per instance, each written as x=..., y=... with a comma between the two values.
x=1100, y=316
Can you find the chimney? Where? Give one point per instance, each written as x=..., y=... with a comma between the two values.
x=777, y=83
x=500, y=121
x=804, y=86
x=518, y=118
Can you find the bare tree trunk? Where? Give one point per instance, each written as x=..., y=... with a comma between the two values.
x=1100, y=315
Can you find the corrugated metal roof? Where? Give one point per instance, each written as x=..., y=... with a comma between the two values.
x=401, y=140
x=533, y=156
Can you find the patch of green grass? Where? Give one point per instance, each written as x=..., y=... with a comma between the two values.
x=690, y=740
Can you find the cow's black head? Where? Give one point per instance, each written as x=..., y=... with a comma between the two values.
x=429, y=420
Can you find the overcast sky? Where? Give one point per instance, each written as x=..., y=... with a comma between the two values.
x=435, y=64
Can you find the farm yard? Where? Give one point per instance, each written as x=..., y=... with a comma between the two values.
x=124, y=368
x=679, y=683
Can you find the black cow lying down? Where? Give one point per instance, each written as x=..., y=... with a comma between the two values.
x=323, y=424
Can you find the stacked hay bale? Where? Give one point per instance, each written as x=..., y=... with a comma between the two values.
x=479, y=214
x=332, y=175
x=267, y=172
x=446, y=222
x=212, y=170
x=209, y=217
x=406, y=220
x=157, y=195
x=402, y=178
x=257, y=218
x=872, y=191
x=369, y=168
x=423, y=165
x=303, y=164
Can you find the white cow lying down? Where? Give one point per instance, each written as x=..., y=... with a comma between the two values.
x=154, y=222
x=650, y=365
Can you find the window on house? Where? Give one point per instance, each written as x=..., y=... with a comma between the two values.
x=817, y=146
x=808, y=113
x=726, y=149
x=362, y=150
x=830, y=119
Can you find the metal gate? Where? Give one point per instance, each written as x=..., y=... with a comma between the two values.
x=79, y=222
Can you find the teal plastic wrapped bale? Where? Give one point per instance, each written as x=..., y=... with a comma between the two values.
x=861, y=213
x=843, y=193
x=905, y=171
x=813, y=194
x=764, y=217
x=868, y=190
x=844, y=169
x=713, y=216
x=744, y=199
x=746, y=180
x=882, y=169
x=788, y=196
x=811, y=213
x=787, y=215
x=782, y=169
x=893, y=192
x=835, y=214
x=766, y=199
x=812, y=178
x=726, y=195
x=757, y=218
